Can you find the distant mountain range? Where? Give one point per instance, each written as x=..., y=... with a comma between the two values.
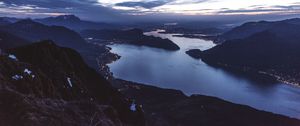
x=4, y=22
x=270, y=48
x=250, y=28
x=33, y=31
x=27, y=31
x=59, y=30
x=69, y=21
x=8, y=20
x=75, y=23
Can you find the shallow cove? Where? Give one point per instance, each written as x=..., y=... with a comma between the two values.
x=177, y=70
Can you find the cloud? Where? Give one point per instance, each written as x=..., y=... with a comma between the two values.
x=291, y=7
x=147, y=5
x=260, y=9
x=158, y=3
x=51, y=3
x=41, y=8
x=124, y=10
x=176, y=2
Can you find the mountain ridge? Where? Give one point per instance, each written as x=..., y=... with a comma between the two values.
x=74, y=22
x=34, y=31
x=49, y=85
x=131, y=36
x=250, y=28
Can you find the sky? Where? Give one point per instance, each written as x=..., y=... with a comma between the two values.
x=108, y=10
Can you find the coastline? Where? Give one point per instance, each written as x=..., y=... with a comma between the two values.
x=127, y=86
x=249, y=70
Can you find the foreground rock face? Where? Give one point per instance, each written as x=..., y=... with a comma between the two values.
x=165, y=107
x=43, y=84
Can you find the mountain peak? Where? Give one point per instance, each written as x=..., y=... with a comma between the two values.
x=68, y=17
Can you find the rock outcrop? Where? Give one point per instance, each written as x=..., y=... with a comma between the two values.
x=43, y=84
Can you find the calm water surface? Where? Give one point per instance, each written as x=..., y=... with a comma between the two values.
x=176, y=70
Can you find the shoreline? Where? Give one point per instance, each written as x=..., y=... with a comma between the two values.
x=194, y=53
x=275, y=77
x=192, y=36
x=281, y=79
x=105, y=71
x=158, y=105
x=104, y=59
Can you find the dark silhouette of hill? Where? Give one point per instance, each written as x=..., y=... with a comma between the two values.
x=33, y=31
x=195, y=53
x=73, y=22
x=131, y=36
x=8, y=40
x=50, y=85
x=274, y=52
x=250, y=28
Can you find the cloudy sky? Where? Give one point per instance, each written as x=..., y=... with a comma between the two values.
x=141, y=9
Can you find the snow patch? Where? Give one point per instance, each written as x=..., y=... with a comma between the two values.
x=69, y=82
x=133, y=107
x=13, y=57
x=17, y=77
x=27, y=71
